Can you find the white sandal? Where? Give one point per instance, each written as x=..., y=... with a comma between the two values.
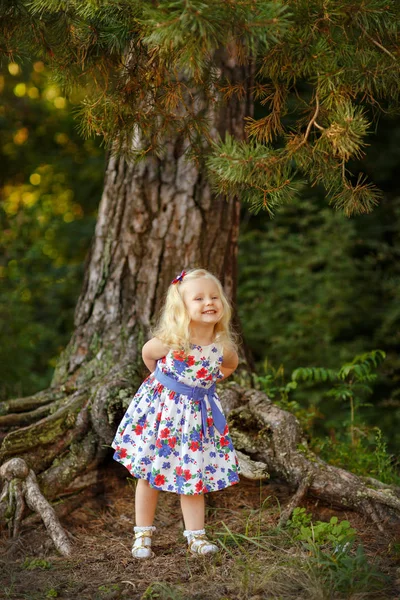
x=198, y=542
x=142, y=545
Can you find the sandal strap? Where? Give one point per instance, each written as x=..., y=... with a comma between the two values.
x=143, y=534
x=200, y=541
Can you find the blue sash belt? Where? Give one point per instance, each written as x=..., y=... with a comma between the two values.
x=196, y=393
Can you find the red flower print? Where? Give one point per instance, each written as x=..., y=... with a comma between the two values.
x=190, y=361
x=194, y=446
x=158, y=417
x=171, y=395
x=187, y=474
x=179, y=470
x=172, y=442
x=199, y=486
x=224, y=442
x=209, y=378
x=201, y=373
x=210, y=421
x=138, y=429
x=159, y=388
x=179, y=355
x=158, y=443
x=164, y=432
x=164, y=359
x=122, y=453
x=159, y=479
x=226, y=430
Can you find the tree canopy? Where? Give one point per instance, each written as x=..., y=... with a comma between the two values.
x=320, y=73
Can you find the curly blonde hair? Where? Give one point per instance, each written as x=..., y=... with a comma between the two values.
x=173, y=325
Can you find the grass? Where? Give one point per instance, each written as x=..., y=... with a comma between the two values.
x=258, y=560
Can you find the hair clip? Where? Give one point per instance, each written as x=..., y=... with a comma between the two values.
x=179, y=278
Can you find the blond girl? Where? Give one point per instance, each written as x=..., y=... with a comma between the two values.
x=174, y=436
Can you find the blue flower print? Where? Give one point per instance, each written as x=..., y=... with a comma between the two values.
x=232, y=476
x=180, y=482
x=179, y=366
x=195, y=436
x=164, y=451
x=160, y=437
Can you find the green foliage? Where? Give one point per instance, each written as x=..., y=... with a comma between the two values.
x=335, y=534
x=157, y=68
x=350, y=381
x=368, y=456
x=109, y=588
x=50, y=186
x=316, y=288
x=162, y=591
x=330, y=545
x=243, y=168
x=30, y=564
x=351, y=444
x=324, y=564
x=348, y=572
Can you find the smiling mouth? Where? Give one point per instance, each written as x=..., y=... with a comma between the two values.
x=209, y=312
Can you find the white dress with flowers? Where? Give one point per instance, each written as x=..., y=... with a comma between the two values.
x=160, y=437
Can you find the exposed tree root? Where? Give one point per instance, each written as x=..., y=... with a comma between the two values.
x=270, y=435
x=66, y=447
x=21, y=486
x=296, y=499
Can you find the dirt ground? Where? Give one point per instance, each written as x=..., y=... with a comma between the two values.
x=101, y=567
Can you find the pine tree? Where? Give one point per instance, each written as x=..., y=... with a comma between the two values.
x=320, y=72
x=171, y=86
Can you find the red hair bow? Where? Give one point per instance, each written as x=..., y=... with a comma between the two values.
x=179, y=278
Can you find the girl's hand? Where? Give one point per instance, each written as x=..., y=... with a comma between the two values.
x=229, y=363
x=152, y=351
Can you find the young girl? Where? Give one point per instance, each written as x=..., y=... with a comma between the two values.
x=174, y=436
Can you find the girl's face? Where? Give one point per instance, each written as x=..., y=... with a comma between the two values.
x=202, y=300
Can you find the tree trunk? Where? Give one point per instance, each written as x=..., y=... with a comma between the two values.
x=156, y=217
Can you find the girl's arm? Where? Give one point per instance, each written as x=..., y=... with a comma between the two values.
x=229, y=363
x=152, y=351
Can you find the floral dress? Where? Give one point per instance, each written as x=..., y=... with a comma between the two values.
x=160, y=438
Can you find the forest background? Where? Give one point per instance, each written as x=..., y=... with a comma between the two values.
x=315, y=287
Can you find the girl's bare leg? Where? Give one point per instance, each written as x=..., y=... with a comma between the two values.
x=145, y=503
x=193, y=509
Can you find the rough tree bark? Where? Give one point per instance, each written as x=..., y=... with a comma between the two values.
x=155, y=218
